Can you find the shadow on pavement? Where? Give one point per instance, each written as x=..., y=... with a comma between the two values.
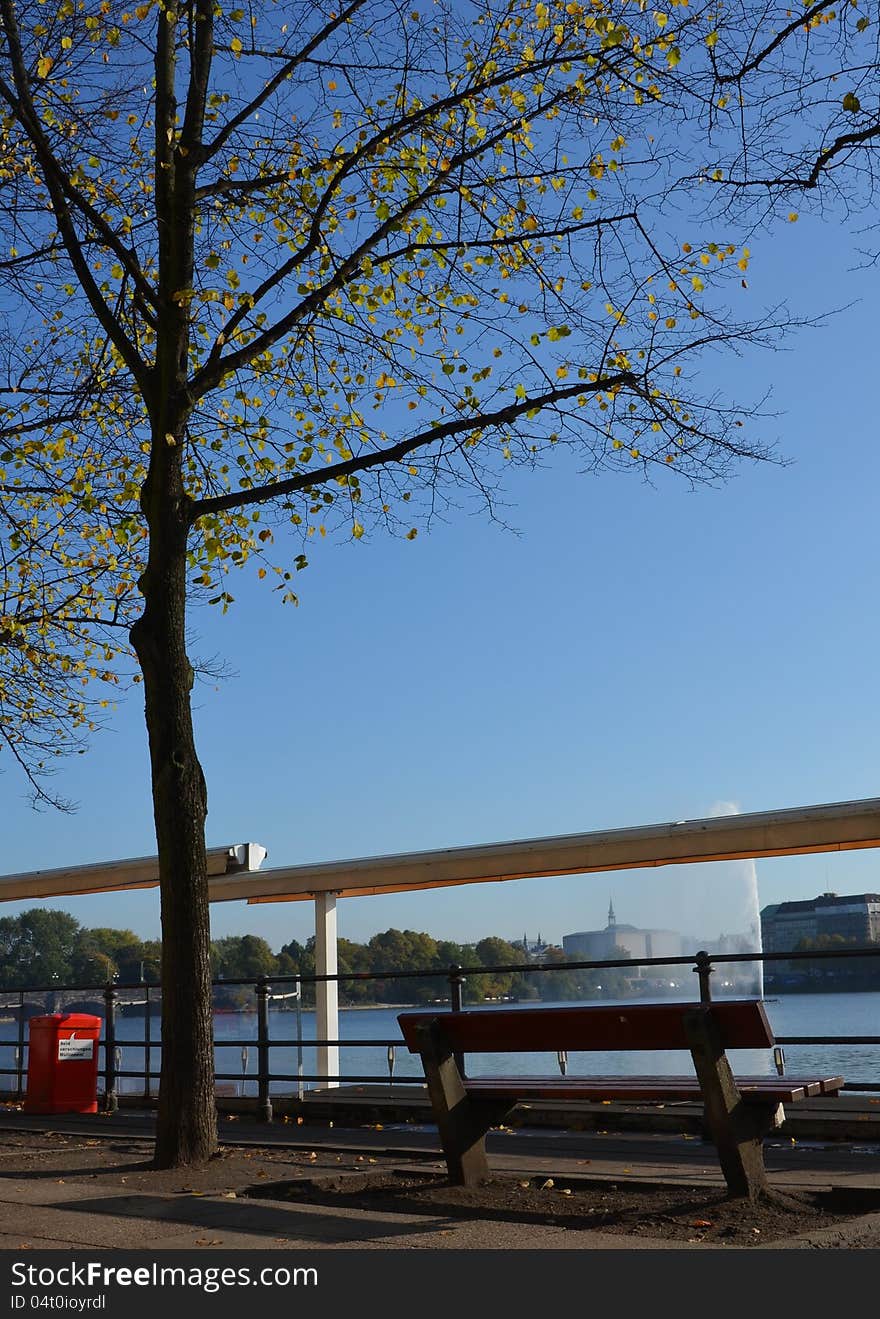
x=274, y=1220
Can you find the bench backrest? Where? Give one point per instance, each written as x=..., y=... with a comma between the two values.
x=742, y=1023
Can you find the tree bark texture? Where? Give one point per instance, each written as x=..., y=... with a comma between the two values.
x=187, y=1122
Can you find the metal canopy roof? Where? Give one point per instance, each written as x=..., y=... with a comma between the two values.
x=834, y=827
x=110, y=876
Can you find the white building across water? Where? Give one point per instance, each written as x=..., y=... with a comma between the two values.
x=621, y=940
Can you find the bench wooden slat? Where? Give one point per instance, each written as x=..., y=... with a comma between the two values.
x=780, y=1091
x=743, y=1024
x=830, y=1085
x=618, y=1087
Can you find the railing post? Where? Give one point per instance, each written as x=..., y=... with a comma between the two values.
x=20, y=1049
x=148, y=1036
x=264, y=1104
x=110, y=1100
x=299, y=1041
x=457, y=980
x=456, y=985
x=703, y=970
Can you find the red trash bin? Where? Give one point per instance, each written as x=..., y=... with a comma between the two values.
x=62, y=1074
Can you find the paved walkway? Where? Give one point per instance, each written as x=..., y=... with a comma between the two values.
x=52, y=1214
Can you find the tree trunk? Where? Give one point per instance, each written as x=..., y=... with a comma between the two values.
x=187, y=1121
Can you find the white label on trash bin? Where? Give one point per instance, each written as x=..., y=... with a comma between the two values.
x=71, y=1049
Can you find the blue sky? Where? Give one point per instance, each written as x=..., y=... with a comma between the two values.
x=633, y=655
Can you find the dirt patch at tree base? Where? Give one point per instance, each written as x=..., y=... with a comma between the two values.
x=688, y=1214
x=104, y=1161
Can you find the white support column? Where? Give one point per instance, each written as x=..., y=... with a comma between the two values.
x=326, y=991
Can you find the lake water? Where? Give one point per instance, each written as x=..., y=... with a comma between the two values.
x=792, y=1014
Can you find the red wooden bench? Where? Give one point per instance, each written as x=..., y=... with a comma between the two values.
x=739, y=1111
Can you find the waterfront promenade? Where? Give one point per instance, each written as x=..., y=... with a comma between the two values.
x=53, y=1193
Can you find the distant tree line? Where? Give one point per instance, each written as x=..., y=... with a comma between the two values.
x=846, y=973
x=43, y=948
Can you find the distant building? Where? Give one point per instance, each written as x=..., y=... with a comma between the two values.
x=533, y=948
x=606, y=945
x=855, y=917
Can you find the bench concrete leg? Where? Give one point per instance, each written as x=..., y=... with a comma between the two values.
x=462, y=1124
x=736, y=1128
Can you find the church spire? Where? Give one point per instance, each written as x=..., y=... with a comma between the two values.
x=611, y=917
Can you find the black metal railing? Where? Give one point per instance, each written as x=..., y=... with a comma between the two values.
x=116, y=996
